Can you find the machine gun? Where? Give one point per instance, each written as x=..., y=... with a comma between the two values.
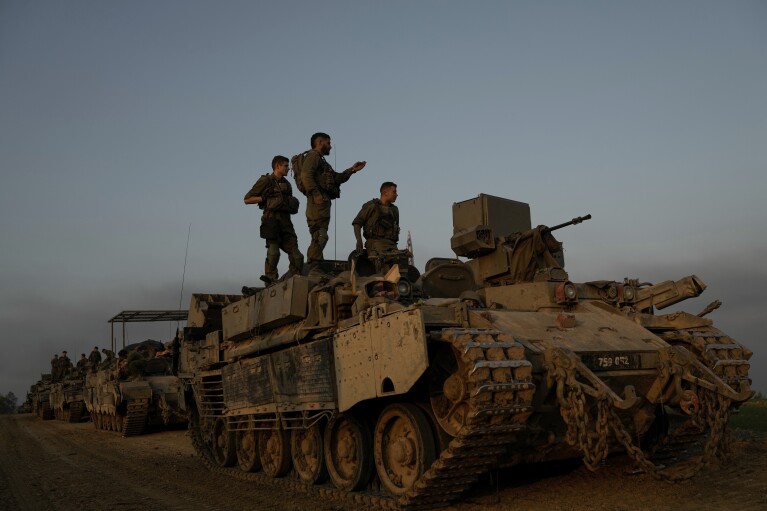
x=498, y=257
x=516, y=237
x=574, y=221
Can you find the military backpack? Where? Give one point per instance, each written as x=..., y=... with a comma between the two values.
x=296, y=162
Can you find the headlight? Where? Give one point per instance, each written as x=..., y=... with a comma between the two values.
x=404, y=288
x=626, y=293
x=566, y=292
x=382, y=288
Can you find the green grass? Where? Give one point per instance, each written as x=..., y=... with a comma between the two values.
x=752, y=416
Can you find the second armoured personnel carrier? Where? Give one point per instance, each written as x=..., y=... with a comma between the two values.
x=40, y=394
x=395, y=389
x=67, y=398
x=133, y=391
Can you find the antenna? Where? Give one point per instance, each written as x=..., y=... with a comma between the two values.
x=335, y=214
x=410, y=255
x=183, y=275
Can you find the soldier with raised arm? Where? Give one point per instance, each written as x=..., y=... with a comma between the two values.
x=322, y=185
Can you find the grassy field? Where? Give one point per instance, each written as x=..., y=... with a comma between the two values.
x=752, y=416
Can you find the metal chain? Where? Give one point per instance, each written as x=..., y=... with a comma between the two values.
x=594, y=442
x=715, y=412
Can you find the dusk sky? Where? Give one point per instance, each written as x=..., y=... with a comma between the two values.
x=126, y=125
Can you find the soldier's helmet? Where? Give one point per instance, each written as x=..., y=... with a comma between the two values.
x=471, y=298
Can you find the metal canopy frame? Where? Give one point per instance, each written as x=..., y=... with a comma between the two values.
x=145, y=316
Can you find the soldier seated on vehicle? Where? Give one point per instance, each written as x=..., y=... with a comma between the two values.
x=109, y=360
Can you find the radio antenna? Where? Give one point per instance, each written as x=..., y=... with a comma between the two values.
x=335, y=214
x=183, y=274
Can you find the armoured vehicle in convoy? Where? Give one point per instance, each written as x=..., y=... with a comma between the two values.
x=40, y=397
x=403, y=388
x=67, y=398
x=128, y=394
x=26, y=406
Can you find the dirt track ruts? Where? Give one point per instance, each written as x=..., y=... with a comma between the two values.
x=52, y=465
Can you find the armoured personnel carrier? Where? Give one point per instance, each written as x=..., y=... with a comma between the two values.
x=402, y=389
x=26, y=406
x=40, y=395
x=67, y=398
x=129, y=393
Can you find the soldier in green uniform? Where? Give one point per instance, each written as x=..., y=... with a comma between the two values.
x=94, y=359
x=65, y=365
x=82, y=365
x=378, y=220
x=55, y=368
x=274, y=195
x=135, y=362
x=322, y=185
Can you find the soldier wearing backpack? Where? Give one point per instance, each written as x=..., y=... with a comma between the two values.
x=274, y=195
x=321, y=184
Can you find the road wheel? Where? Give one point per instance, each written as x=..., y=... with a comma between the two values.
x=274, y=452
x=224, y=451
x=404, y=447
x=448, y=391
x=348, y=452
x=247, y=451
x=306, y=448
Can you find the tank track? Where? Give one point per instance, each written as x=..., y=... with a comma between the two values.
x=500, y=391
x=726, y=357
x=728, y=360
x=46, y=412
x=134, y=422
x=76, y=411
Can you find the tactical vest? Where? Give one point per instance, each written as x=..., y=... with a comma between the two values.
x=326, y=179
x=278, y=196
x=382, y=224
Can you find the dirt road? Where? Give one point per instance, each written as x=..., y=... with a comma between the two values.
x=60, y=466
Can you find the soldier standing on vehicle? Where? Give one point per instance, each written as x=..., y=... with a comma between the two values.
x=94, y=359
x=65, y=365
x=274, y=195
x=82, y=365
x=55, y=368
x=321, y=184
x=378, y=220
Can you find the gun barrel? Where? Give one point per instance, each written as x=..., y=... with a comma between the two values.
x=574, y=221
